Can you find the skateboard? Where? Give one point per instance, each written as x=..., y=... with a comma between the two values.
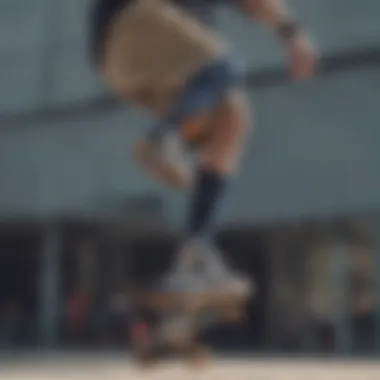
x=182, y=318
x=229, y=307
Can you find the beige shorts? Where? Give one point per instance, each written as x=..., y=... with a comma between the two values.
x=151, y=51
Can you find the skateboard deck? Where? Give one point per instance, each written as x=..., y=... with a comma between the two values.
x=184, y=317
x=225, y=304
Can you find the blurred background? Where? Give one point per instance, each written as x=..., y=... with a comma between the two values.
x=79, y=220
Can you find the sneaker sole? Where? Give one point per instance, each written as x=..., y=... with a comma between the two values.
x=194, y=302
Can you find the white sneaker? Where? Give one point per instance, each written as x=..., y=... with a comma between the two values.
x=224, y=278
x=212, y=276
x=234, y=284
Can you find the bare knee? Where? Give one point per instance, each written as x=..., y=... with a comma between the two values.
x=229, y=126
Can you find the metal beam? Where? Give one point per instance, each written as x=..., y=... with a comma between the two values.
x=50, y=287
x=376, y=282
x=343, y=326
x=274, y=76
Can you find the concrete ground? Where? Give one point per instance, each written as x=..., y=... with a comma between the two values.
x=115, y=368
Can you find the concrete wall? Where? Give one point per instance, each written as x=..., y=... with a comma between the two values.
x=31, y=75
x=315, y=149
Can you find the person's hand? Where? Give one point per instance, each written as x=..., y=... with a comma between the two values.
x=145, y=150
x=303, y=56
x=170, y=170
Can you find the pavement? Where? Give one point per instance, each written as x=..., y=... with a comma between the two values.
x=115, y=367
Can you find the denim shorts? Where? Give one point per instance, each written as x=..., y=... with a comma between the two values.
x=203, y=92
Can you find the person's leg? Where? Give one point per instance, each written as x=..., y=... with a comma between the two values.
x=218, y=158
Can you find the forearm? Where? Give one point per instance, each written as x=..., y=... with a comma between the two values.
x=273, y=13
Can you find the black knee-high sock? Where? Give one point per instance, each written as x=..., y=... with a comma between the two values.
x=206, y=199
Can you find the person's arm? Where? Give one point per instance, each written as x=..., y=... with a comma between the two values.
x=164, y=163
x=275, y=14
x=271, y=12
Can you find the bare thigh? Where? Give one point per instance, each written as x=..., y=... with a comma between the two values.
x=228, y=131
